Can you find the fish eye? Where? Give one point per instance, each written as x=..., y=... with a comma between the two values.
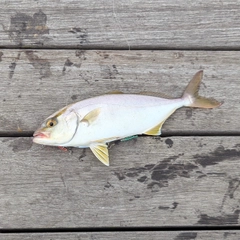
x=51, y=123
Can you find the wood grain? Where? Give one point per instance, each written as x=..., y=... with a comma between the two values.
x=120, y=24
x=178, y=235
x=178, y=181
x=34, y=84
x=152, y=181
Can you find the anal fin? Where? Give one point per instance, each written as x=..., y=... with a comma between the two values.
x=155, y=130
x=100, y=150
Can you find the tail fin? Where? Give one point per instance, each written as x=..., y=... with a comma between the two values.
x=192, y=98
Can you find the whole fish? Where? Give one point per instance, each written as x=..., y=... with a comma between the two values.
x=96, y=121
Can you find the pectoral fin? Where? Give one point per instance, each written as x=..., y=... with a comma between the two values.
x=91, y=116
x=101, y=152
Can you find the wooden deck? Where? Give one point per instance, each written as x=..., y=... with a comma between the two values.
x=181, y=186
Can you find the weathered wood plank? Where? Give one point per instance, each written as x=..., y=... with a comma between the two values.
x=178, y=235
x=34, y=84
x=128, y=24
x=179, y=181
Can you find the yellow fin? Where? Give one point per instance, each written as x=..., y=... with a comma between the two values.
x=191, y=94
x=101, y=152
x=154, y=94
x=155, y=130
x=115, y=92
x=91, y=116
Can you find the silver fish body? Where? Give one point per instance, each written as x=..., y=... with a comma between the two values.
x=96, y=121
x=119, y=116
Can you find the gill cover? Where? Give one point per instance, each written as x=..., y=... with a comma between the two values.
x=63, y=129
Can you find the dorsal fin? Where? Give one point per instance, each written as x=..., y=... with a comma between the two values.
x=115, y=92
x=146, y=93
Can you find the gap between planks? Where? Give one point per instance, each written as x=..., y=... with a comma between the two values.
x=122, y=229
x=116, y=48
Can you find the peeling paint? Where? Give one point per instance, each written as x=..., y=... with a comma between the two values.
x=189, y=113
x=23, y=26
x=109, y=72
x=81, y=54
x=232, y=187
x=21, y=144
x=12, y=67
x=186, y=236
x=81, y=34
x=157, y=175
x=74, y=97
x=119, y=175
x=82, y=155
x=225, y=219
x=1, y=54
x=69, y=63
x=218, y=155
x=42, y=65
x=169, y=142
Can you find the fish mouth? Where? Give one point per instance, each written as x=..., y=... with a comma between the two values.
x=40, y=134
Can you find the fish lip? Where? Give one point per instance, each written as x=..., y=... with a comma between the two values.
x=40, y=134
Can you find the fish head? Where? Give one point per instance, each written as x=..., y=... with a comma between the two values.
x=57, y=129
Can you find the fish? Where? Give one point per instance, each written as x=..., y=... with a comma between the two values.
x=95, y=122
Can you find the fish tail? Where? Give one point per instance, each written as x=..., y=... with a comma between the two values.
x=191, y=97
